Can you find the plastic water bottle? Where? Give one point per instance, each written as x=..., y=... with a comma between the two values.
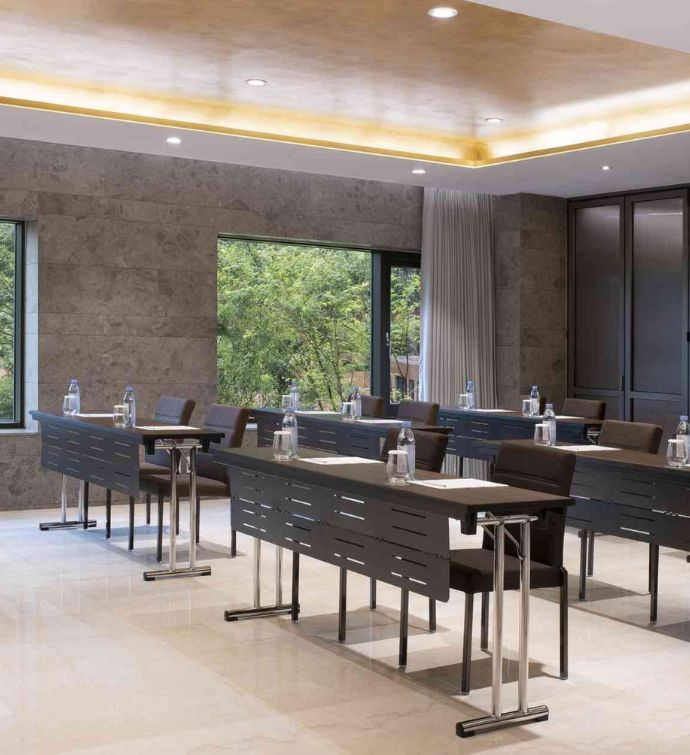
x=356, y=403
x=683, y=432
x=130, y=401
x=74, y=391
x=550, y=422
x=294, y=394
x=290, y=424
x=534, y=395
x=406, y=443
x=471, y=395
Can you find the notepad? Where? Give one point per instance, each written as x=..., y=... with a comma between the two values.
x=379, y=421
x=457, y=484
x=575, y=449
x=166, y=427
x=494, y=411
x=333, y=460
x=95, y=414
x=316, y=411
x=567, y=416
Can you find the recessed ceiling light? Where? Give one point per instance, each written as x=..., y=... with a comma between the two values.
x=606, y=167
x=174, y=140
x=419, y=171
x=494, y=121
x=442, y=12
x=256, y=82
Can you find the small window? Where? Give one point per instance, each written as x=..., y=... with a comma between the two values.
x=11, y=325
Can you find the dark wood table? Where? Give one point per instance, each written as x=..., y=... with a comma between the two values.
x=350, y=516
x=328, y=431
x=471, y=428
x=95, y=452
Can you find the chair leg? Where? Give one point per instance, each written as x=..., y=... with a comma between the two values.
x=467, y=644
x=564, y=624
x=159, y=534
x=372, y=594
x=131, y=522
x=108, y=512
x=590, y=555
x=432, y=615
x=342, y=607
x=294, y=615
x=654, y=579
x=148, y=508
x=86, y=505
x=177, y=520
x=583, y=564
x=484, y=642
x=233, y=543
x=404, y=619
x=649, y=568
x=198, y=516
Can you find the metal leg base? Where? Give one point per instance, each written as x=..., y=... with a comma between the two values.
x=65, y=525
x=491, y=723
x=258, y=613
x=196, y=571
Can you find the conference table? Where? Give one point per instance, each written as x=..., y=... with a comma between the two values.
x=348, y=515
x=89, y=448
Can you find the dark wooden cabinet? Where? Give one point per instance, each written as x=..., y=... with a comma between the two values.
x=628, y=308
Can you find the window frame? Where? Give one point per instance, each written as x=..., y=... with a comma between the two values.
x=18, y=422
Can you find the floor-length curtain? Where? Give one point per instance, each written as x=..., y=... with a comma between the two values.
x=457, y=314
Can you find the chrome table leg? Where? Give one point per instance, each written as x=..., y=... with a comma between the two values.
x=64, y=523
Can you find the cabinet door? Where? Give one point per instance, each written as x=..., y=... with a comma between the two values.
x=597, y=309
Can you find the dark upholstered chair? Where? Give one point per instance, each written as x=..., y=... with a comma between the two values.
x=632, y=436
x=582, y=407
x=546, y=470
x=372, y=406
x=212, y=479
x=423, y=412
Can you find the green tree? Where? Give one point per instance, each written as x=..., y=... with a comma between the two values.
x=405, y=324
x=7, y=307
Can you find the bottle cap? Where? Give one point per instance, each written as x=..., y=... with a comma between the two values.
x=129, y=388
x=683, y=417
x=407, y=423
x=534, y=386
x=549, y=406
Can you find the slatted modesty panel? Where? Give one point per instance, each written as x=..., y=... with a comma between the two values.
x=91, y=454
x=403, y=547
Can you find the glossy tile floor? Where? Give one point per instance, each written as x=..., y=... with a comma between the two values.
x=95, y=660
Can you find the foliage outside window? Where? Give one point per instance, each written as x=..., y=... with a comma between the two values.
x=10, y=307
x=405, y=325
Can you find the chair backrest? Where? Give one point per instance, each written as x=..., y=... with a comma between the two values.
x=430, y=448
x=633, y=436
x=232, y=422
x=372, y=406
x=177, y=411
x=582, y=407
x=546, y=470
x=423, y=412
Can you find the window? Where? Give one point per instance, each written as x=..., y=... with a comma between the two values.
x=331, y=317
x=11, y=309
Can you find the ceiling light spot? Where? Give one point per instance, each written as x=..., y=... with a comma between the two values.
x=606, y=167
x=174, y=140
x=442, y=12
x=256, y=82
x=419, y=171
x=493, y=120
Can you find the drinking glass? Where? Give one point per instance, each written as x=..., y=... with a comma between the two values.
x=69, y=405
x=676, y=452
x=398, y=467
x=282, y=445
x=286, y=402
x=464, y=401
x=348, y=411
x=120, y=415
x=527, y=407
x=593, y=434
x=542, y=434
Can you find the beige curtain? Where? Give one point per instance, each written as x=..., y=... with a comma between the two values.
x=457, y=316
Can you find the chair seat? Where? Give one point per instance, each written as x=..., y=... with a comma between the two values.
x=472, y=571
x=146, y=469
x=205, y=487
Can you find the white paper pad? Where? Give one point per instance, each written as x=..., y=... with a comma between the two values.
x=567, y=416
x=379, y=421
x=332, y=460
x=467, y=482
x=494, y=411
x=94, y=414
x=166, y=427
x=316, y=411
x=587, y=448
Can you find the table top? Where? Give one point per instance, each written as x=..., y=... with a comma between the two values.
x=515, y=416
x=370, y=480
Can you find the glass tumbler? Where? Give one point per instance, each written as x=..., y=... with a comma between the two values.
x=120, y=415
x=464, y=401
x=542, y=434
x=348, y=411
x=676, y=452
x=593, y=434
x=398, y=468
x=69, y=405
x=282, y=445
x=527, y=407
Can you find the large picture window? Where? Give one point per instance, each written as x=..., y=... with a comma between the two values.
x=11, y=382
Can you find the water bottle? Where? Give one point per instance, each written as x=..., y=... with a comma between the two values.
x=406, y=443
x=471, y=395
x=74, y=391
x=294, y=394
x=683, y=433
x=130, y=402
x=550, y=422
x=534, y=395
x=290, y=423
x=356, y=403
